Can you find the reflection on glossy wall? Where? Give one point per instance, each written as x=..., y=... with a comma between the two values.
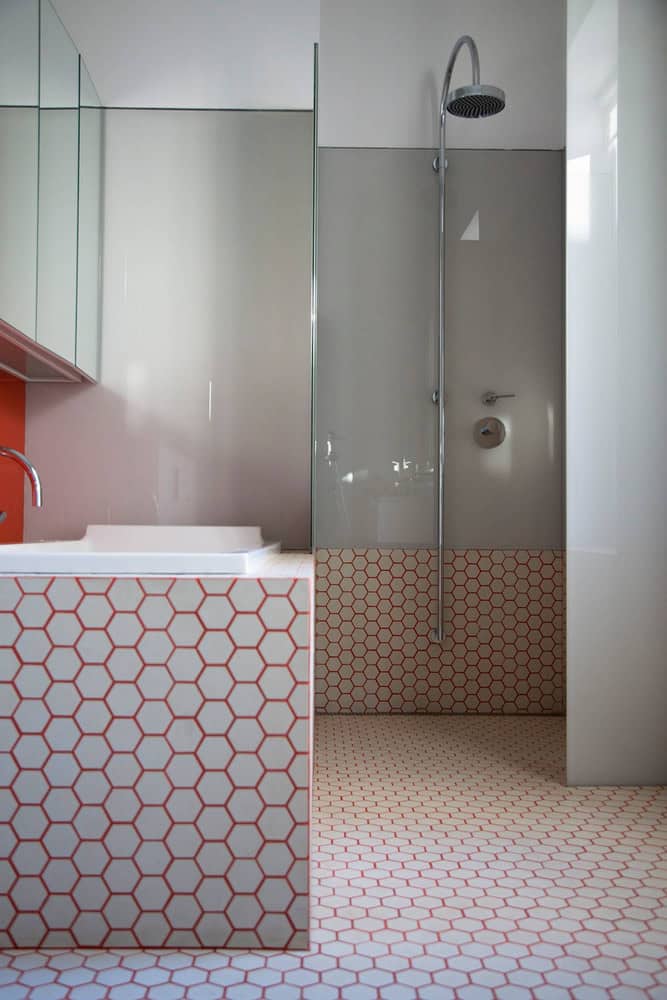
x=376, y=348
x=202, y=411
x=616, y=402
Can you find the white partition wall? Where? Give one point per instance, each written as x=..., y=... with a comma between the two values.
x=616, y=399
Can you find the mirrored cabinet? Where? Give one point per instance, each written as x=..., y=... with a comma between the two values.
x=51, y=142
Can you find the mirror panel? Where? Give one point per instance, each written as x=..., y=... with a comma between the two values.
x=19, y=52
x=18, y=217
x=91, y=137
x=59, y=63
x=57, y=230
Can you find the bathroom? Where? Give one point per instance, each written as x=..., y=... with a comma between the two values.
x=333, y=567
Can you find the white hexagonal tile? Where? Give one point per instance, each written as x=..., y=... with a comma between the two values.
x=153, y=788
x=63, y=664
x=8, y=735
x=214, y=752
x=125, y=595
x=31, y=751
x=29, y=858
x=245, y=770
x=31, y=717
x=92, y=717
x=275, y=859
x=122, y=840
x=153, y=753
x=64, y=628
x=214, y=823
x=64, y=593
x=245, y=840
x=215, y=647
x=152, y=823
x=91, y=892
x=122, y=805
x=245, y=805
x=183, y=840
x=62, y=734
x=154, y=682
x=214, y=859
x=124, y=628
x=61, y=805
x=215, y=682
x=276, y=753
x=184, y=770
x=245, y=700
x=92, y=787
x=123, y=700
x=28, y=928
x=155, y=612
x=246, y=630
x=123, y=735
x=183, y=875
x=245, y=735
x=184, y=735
x=60, y=840
x=60, y=876
x=91, y=928
x=246, y=665
x=29, y=822
x=63, y=698
x=9, y=699
x=120, y=911
x=125, y=664
x=216, y=612
x=214, y=788
x=152, y=892
x=185, y=664
x=275, y=823
x=93, y=681
x=183, y=805
x=246, y=595
x=276, y=788
x=244, y=875
x=184, y=699
x=275, y=895
x=94, y=611
x=215, y=717
x=244, y=912
x=154, y=717
x=33, y=611
x=300, y=595
x=30, y=787
x=153, y=931
x=300, y=630
x=122, y=770
x=93, y=646
x=33, y=645
x=276, y=683
x=186, y=595
x=276, y=647
x=185, y=629
x=121, y=875
x=276, y=717
x=276, y=612
x=155, y=647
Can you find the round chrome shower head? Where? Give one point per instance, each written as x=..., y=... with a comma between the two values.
x=478, y=100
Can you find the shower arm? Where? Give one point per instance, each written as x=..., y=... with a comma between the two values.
x=474, y=58
x=439, y=631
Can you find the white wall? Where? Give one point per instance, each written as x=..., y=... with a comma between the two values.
x=197, y=53
x=382, y=64
x=616, y=400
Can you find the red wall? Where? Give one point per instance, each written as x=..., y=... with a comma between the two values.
x=12, y=433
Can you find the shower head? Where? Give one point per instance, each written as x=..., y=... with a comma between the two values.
x=479, y=100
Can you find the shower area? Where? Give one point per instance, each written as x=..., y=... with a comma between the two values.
x=438, y=493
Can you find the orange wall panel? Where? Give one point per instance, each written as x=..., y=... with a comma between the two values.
x=12, y=433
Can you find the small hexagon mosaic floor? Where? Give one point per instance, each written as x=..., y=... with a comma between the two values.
x=449, y=861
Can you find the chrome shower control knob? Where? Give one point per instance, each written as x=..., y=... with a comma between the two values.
x=489, y=432
x=491, y=398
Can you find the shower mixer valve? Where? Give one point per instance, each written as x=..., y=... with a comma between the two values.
x=491, y=398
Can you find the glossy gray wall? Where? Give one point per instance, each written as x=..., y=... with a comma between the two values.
x=376, y=347
x=201, y=415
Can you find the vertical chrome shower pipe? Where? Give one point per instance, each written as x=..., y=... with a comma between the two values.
x=439, y=632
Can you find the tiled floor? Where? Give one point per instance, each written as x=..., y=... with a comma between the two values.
x=450, y=861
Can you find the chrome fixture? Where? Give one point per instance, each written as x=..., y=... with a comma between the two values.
x=491, y=398
x=489, y=432
x=28, y=468
x=474, y=101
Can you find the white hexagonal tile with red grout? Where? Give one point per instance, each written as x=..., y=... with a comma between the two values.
x=129, y=766
x=503, y=651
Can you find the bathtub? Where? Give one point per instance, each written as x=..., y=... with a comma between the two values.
x=146, y=550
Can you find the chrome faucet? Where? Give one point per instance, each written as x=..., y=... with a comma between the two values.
x=28, y=468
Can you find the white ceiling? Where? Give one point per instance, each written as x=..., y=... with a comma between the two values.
x=197, y=53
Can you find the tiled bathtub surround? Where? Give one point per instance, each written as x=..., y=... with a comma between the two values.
x=374, y=615
x=154, y=762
